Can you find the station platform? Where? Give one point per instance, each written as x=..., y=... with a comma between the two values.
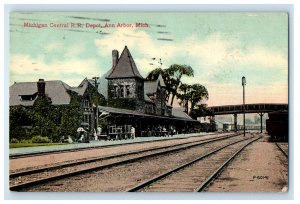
x=99, y=143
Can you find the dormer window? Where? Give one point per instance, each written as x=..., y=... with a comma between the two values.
x=27, y=97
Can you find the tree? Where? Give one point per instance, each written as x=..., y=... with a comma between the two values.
x=96, y=97
x=176, y=72
x=198, y=94
x=172, y=78
x=46, y=118
x=19, y=117
x=183, y=95
x=193, y=95
x=200, y=110
x=71, y=115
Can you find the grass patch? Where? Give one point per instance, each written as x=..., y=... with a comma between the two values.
x=18, y=145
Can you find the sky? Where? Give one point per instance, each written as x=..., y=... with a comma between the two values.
x=220, y=47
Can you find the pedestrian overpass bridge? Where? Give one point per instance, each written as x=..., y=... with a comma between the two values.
x=260, y=108
x=249, y=108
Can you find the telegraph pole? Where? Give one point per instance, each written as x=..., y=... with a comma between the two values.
x=244, y=84
x=96, y=86
x=95, y=82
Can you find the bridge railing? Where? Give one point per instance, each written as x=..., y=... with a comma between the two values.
x=249, y=108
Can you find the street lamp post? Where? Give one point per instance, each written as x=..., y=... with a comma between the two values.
x=244, y=84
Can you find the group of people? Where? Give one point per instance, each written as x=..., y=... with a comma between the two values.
x=82, y=135
x=97, y=133
x=161, y=131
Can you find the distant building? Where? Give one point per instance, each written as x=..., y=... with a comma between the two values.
x=25, y=94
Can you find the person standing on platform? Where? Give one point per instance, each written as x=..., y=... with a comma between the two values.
x=132, y=131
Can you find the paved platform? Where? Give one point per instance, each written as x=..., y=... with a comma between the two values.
x=41, y=149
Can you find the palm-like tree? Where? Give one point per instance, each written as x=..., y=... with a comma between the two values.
x=176, y=71
x=172, y=78
x=198, y=94
x=191, y=94
x=183, y=95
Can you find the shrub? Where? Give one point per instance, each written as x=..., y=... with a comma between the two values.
x=26, y=141
x=14, y=140
x=40, y=139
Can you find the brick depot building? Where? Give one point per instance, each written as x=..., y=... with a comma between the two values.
x=130, y=99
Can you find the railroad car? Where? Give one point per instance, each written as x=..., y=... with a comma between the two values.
x=277, y=126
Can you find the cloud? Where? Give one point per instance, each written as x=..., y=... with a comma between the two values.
x=54, y=46
x=264, y=57
x=208, y=56
x=144, y=66
x=68, y=52
x=140, y=43
x=217, y=61
x=72, y=71
x=215, y=53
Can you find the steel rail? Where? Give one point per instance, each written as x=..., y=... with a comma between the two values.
x=163, y=175
x=101, y=167
x=280, y=148
x=25, y=155
x=38, y=170
x=218, y=171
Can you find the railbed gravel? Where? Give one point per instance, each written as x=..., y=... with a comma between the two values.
x=125, y=176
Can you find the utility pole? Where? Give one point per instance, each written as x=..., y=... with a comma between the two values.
x=95, y=82
x=244, y=84
x=96, y=86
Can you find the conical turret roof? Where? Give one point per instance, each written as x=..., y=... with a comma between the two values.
x=125, y=67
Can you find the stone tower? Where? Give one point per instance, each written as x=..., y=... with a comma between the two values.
x=125, y=83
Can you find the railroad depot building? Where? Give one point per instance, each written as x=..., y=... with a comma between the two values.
x=129, y=100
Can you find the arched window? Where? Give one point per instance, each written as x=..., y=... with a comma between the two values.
x=127, y=91
x=86, y=103
x=115, y=93
x=121, y=92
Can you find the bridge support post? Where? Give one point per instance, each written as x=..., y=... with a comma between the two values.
x=235, y=122
x=261, y=119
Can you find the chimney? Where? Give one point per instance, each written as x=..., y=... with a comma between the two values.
x=41, y=87
x=115, y=58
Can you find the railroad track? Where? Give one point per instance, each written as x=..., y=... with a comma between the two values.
x=17, y=156
x=195, y=175
x=32, y=170
x=284, y=148
x=24, y=179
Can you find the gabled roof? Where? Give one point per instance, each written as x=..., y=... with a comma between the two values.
x=147, y=99
x=56, y=90
x=125, y=67
x=161, y=81
x=150, y=87
x=81, y=88
x=102, y=84
x=179, y=113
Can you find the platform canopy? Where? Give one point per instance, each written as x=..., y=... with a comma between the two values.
x=176, y=114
